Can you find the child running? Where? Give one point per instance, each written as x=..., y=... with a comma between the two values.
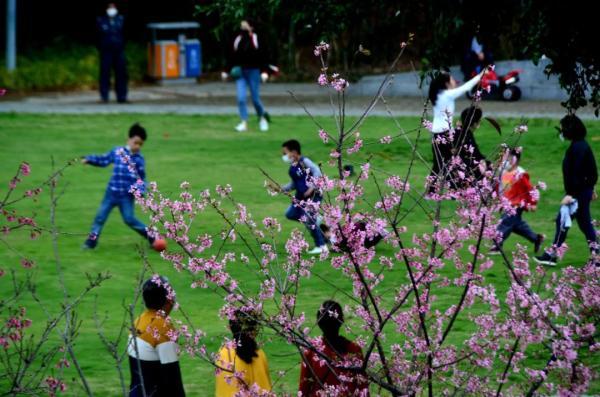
x=119, y=192
x=302, y=171
x=516, y=188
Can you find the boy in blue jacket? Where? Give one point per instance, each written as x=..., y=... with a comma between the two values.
x=126, y=177
x=302, y=171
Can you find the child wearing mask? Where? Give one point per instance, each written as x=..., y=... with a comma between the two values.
x=302, y=170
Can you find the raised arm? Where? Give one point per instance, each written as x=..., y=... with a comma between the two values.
x=100, y=160
x=463, y=89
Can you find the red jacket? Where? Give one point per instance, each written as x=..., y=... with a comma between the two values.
x=517, y=188
x=309, y=386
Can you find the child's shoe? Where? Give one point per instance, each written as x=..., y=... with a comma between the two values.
x=318, y=250
x=494, y=251
x=242, y=127
x=263, y=124
x=545, y=259
x=90, y=243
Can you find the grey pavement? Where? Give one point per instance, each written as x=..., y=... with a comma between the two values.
x=219, y=98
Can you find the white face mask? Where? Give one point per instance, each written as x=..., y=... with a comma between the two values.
x=112, y=12
x=286, y=159
x=561, y=137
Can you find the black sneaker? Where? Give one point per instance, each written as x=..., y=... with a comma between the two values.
x=89, y=244
x=538, y=243
x=545, y=259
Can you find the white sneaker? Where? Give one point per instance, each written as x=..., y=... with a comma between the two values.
x=263, y=124
x=318, y=250
x=242, y=127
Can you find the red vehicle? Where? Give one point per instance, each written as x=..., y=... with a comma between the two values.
x=499, y=87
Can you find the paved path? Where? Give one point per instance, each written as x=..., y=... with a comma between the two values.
x=219, y=98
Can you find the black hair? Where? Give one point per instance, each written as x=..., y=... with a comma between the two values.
x=572, y=128
x=515, y=152
x=292, y=145
x=138, y=130
x=470, y=116
x=155, y=296
x=243, y=327
x=324, y=228
x=349, y=168
x=330, y=318
x=438, y=83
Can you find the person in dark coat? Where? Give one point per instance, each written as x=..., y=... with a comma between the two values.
x=466, y=145
x=248, y=65
x=112, y=53
x=476, y=58
x=580, y=175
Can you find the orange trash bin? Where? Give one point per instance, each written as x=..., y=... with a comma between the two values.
x=164, y=59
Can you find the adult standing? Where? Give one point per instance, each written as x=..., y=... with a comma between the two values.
x=443, y=92
x=112, y=53
x=248, y=65
x=476, y=58
x=580, y=175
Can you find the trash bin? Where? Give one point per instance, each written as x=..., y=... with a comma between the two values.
x=163, y=59
x=193, y=58
x=173, y=60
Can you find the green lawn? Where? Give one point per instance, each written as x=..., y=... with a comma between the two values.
x=204, y=151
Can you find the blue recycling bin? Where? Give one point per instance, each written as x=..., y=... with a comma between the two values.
x=193, y=58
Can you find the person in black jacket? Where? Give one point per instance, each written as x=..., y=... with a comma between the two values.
x=247, y=61
x=466, y=145
x=112, y=53
x=580, y=175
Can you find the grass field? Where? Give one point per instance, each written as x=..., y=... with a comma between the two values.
x=204, y=151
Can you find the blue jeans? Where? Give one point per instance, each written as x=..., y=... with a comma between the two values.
x=250, y=78
x=515, y=223
x=125, y=202
x=295, y=213
x=583, y=217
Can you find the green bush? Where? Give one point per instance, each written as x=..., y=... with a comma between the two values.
x=57, y=68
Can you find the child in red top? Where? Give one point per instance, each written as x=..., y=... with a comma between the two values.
x=335, y=367
x=516, y=188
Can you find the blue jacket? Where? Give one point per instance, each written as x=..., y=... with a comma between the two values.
x=123, y=178
x=110, y=31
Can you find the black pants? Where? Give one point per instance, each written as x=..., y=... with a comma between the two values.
x=583, y=217
x=515, y=223
x=441, y=147
x=113, y=59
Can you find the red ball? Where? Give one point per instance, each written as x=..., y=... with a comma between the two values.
x=159, y=245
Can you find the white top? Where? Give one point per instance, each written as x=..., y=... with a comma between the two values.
x=443, y=110
x=166, y=352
